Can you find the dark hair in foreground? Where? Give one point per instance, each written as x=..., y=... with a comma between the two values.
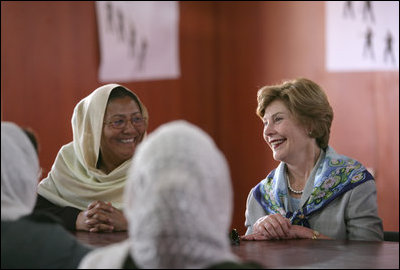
x=32, y=137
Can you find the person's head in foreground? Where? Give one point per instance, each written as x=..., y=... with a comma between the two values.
x=19, y=172
x=29, y=240
x=179, y=200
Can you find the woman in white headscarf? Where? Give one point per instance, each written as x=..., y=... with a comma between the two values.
x=179, y=205
x=85, y=185
x=29, y=240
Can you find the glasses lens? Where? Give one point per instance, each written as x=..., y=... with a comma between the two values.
x=137, y=120
x=120, y=123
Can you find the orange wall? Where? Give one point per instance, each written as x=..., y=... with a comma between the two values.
x=50, y=58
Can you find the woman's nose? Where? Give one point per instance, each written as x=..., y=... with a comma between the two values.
x=130, y=128
x=269, y=130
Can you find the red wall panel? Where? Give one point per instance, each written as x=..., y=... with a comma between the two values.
x=228, y=50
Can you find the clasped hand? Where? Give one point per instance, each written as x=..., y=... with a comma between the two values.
x=277, y=227
x=101, y=217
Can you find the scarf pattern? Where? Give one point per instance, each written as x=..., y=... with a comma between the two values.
x=335, y=176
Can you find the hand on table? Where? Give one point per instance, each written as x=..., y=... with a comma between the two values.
x=270, y=227
x=278, y=227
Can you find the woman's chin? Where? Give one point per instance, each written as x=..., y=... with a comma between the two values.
x=277, y=156
x=128, y=154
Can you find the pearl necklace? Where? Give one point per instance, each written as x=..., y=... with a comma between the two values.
x=290, y=188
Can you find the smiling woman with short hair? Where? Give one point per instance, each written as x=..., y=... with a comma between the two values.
x=314, y=192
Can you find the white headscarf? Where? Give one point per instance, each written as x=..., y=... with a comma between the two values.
x=19, y=172
x=179, y=200
x=74, y=179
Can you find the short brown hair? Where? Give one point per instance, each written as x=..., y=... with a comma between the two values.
x=306, y=101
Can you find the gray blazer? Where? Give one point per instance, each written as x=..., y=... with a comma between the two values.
x=353, y=216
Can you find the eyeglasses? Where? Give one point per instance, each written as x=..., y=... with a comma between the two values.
x=121, y=123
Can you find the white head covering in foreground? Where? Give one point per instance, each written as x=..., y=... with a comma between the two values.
x=179, y=200
x=19, y=172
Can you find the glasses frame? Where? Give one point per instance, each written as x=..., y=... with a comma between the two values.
x=126, y=120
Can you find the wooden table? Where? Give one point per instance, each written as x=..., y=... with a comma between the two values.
x=100, y=239
x=302, y=253
x=307, y=253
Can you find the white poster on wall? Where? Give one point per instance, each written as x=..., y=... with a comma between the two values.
x=362, y=35
x=138, y=40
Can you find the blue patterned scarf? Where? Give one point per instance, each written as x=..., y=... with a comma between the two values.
x=335, y=175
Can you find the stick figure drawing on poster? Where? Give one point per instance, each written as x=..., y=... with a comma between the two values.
x=367, y=11
x=109, y=11
x=132, y=39
x=120, y=16
x=348, y=9
x=368, y=48
x=389, y=48
x=142, y=56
